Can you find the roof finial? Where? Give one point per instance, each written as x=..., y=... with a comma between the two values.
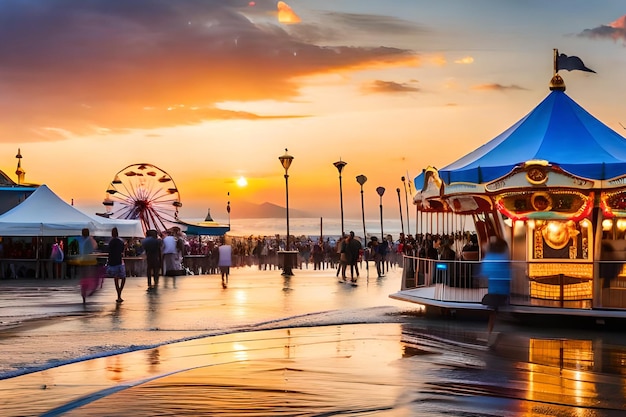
x=208, y=217
x=556, y=83
x=19, y=171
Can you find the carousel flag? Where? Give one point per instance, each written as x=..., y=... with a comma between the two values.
x=570, y=63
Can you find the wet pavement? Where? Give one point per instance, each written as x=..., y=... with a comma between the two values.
x=274, y=346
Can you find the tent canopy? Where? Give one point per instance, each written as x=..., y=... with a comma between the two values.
x=44, y=213
x=204, y=230
x=208, y=227
x=125, y=227
x=559, y=131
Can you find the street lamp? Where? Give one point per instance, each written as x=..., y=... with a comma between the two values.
x=285, y=161
x=400, y=206
x=406, y=195
x=381, y=191
x=361, y=179
x=228, y=209
x=339, y=165
x=411, y=194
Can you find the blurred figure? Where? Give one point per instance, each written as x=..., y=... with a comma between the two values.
x=496, y=267
x=446, y=253
x=342, y=248
x=90, y=278
x=470, y=249
x=152, y=247
x=171, y=266
x=224, y=262
x=318, y=254
x=353, y=248
x=375, y=254
x=57, y=256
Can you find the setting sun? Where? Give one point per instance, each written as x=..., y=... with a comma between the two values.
x=242, y=182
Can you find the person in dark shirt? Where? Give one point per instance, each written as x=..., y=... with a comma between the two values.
x=375, y=254
x=446, y=252
x=470, y=250
x=152, y=247
x=353, y=249
x=115, y=263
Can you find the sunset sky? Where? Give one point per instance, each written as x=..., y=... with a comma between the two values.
x=214, y=90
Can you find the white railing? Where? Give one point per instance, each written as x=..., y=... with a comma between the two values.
x=462, y=281
x=457, y=281
x=424, y=272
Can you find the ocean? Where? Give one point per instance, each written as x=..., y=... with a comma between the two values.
x=331, y=227
x=314, y=227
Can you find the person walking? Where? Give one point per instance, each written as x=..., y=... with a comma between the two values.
x=85, y=265
x=224, y=262
x=318, y=254
x=375, y=254
x=497, y=269
x=353, y=249
x=115, y=263
x=57, y=256
x=152, y=247
x=169, y=253
x=342, y=248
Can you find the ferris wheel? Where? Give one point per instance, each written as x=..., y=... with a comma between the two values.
x=144, y=192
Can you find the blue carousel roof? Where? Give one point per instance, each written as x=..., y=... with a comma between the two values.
x=559, y=131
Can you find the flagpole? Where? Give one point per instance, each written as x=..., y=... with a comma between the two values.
x=556, y=83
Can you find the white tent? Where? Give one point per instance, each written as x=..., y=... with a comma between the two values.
x=44, y=213
x=125, y=227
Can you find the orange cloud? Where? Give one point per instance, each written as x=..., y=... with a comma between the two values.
x=496, y=87
x=615, y=30
x=286, y=14
x=465, y=60
x=153, y=64
x=380, y=86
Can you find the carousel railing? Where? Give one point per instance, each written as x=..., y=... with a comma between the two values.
x=463, y=281
x=457, y=280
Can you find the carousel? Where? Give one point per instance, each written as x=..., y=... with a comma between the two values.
x=553, y=186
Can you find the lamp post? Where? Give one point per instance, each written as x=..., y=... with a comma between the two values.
x=228, y=209
x=406, y=196
x=361, y=179
x=285, y=161
x=381, y=191
x=400, y=206
x=411, y=194
x=339, y=165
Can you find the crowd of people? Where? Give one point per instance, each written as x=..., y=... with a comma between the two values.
x=313, y=253
x=173, y=253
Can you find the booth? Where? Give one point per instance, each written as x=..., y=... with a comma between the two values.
x=29, y=229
